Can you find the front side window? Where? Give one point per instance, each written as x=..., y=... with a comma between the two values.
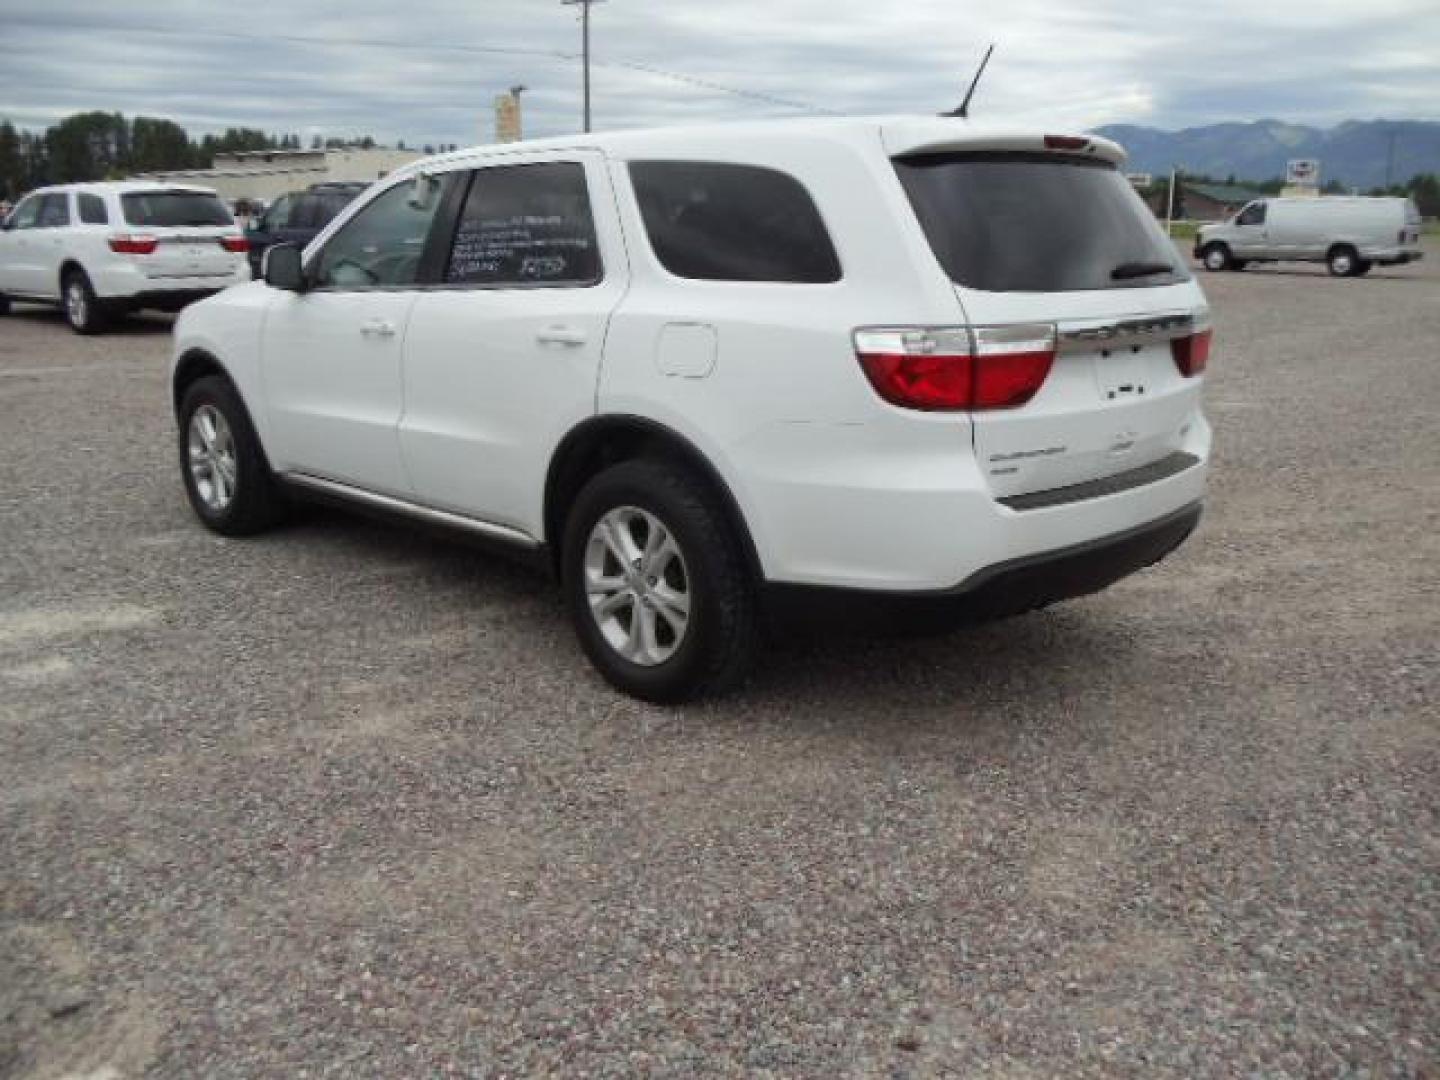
x=381, y=247
x=526, y=225
x=92, y=210
x=174, y=209
x=27, y=214
x=54, y=211
x=1254, y=214
x=724, y=222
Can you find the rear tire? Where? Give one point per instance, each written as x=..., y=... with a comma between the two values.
x=1342, y=261
x=1362, y=267
x=227, y=478
x=4, y=306
x=1216, y=258
x=656, y=583
x=83, y=310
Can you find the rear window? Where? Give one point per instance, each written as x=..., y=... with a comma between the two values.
x=1037, y=223
x=172, y=209
x=722, y=222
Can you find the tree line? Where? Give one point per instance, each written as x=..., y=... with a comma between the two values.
x=1423, y=189
x=106, y=146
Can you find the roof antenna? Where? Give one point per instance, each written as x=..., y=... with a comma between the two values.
x=964, y=110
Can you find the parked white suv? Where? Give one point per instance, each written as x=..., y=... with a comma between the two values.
x=100, y=250
x=699, y=370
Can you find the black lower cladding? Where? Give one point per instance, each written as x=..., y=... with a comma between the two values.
x=1008, y=588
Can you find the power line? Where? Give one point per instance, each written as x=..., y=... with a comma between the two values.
x=451, y=47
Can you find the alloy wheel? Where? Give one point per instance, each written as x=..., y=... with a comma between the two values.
x=637, y=585
x=77, y=304
x=213, y=465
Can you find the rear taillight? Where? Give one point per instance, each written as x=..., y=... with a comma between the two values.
x=235, y=243
x=134, y=245
x=1192, y=352
x=950, y=370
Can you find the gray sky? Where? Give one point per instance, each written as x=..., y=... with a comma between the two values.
x=427, y=70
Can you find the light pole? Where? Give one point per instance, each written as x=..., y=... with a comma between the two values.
x=585, y=36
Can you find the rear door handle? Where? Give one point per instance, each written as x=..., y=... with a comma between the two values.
x=561, y=335
x=378, y=328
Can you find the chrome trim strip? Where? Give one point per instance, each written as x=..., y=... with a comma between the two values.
x=402, y=506
x=1123, y=333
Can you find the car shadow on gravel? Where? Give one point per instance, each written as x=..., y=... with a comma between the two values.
x=829, y=667
x=148, y=323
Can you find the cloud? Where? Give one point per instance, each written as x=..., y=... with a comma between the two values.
x=428, y=71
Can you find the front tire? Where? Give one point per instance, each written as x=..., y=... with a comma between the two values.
x=83, y=310
x=1216, y=258
x=656, y=583
x=227, y=478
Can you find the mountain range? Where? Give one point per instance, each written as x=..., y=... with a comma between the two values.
x=1356, y=153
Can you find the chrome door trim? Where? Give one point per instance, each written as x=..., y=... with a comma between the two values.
x=391, y=504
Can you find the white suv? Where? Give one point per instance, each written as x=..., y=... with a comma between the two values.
x=100, y=250
x=698, y=371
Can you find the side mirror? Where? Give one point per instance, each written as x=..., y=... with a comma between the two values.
x=282, y=269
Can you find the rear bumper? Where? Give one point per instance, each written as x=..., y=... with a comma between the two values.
x=119, y=280
x=1006, y=588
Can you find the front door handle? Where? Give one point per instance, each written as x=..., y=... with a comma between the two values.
x=378, y=328
x=561, y=335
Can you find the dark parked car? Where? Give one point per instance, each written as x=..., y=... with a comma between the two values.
x=298, y=217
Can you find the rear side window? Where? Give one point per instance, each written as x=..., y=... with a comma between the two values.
x=526, y=225
x=92, y=210
x=173, y=209
x=723, y=222
x=54, y=211
x=1037, y=223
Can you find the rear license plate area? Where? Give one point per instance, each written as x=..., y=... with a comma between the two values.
x=1120, y=374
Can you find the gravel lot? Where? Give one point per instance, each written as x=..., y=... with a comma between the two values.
x=346, y=801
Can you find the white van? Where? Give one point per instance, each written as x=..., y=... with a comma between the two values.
x=1349, y=235
x=703, y=370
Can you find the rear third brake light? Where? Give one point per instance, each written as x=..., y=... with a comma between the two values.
x=1066, y=142
x=134, y=245
x=950, y=370
x=235, y=243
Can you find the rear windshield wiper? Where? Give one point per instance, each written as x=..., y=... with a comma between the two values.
x=1128, y=270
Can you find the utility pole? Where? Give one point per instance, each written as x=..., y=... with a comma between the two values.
x=585, y=36
x=1390, y=160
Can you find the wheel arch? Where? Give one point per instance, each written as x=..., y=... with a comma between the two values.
x=68, y=267
x=602, y=441
x=193, y=365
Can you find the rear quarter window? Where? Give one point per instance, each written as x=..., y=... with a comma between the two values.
x=1032, y=222
x=726, y=222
